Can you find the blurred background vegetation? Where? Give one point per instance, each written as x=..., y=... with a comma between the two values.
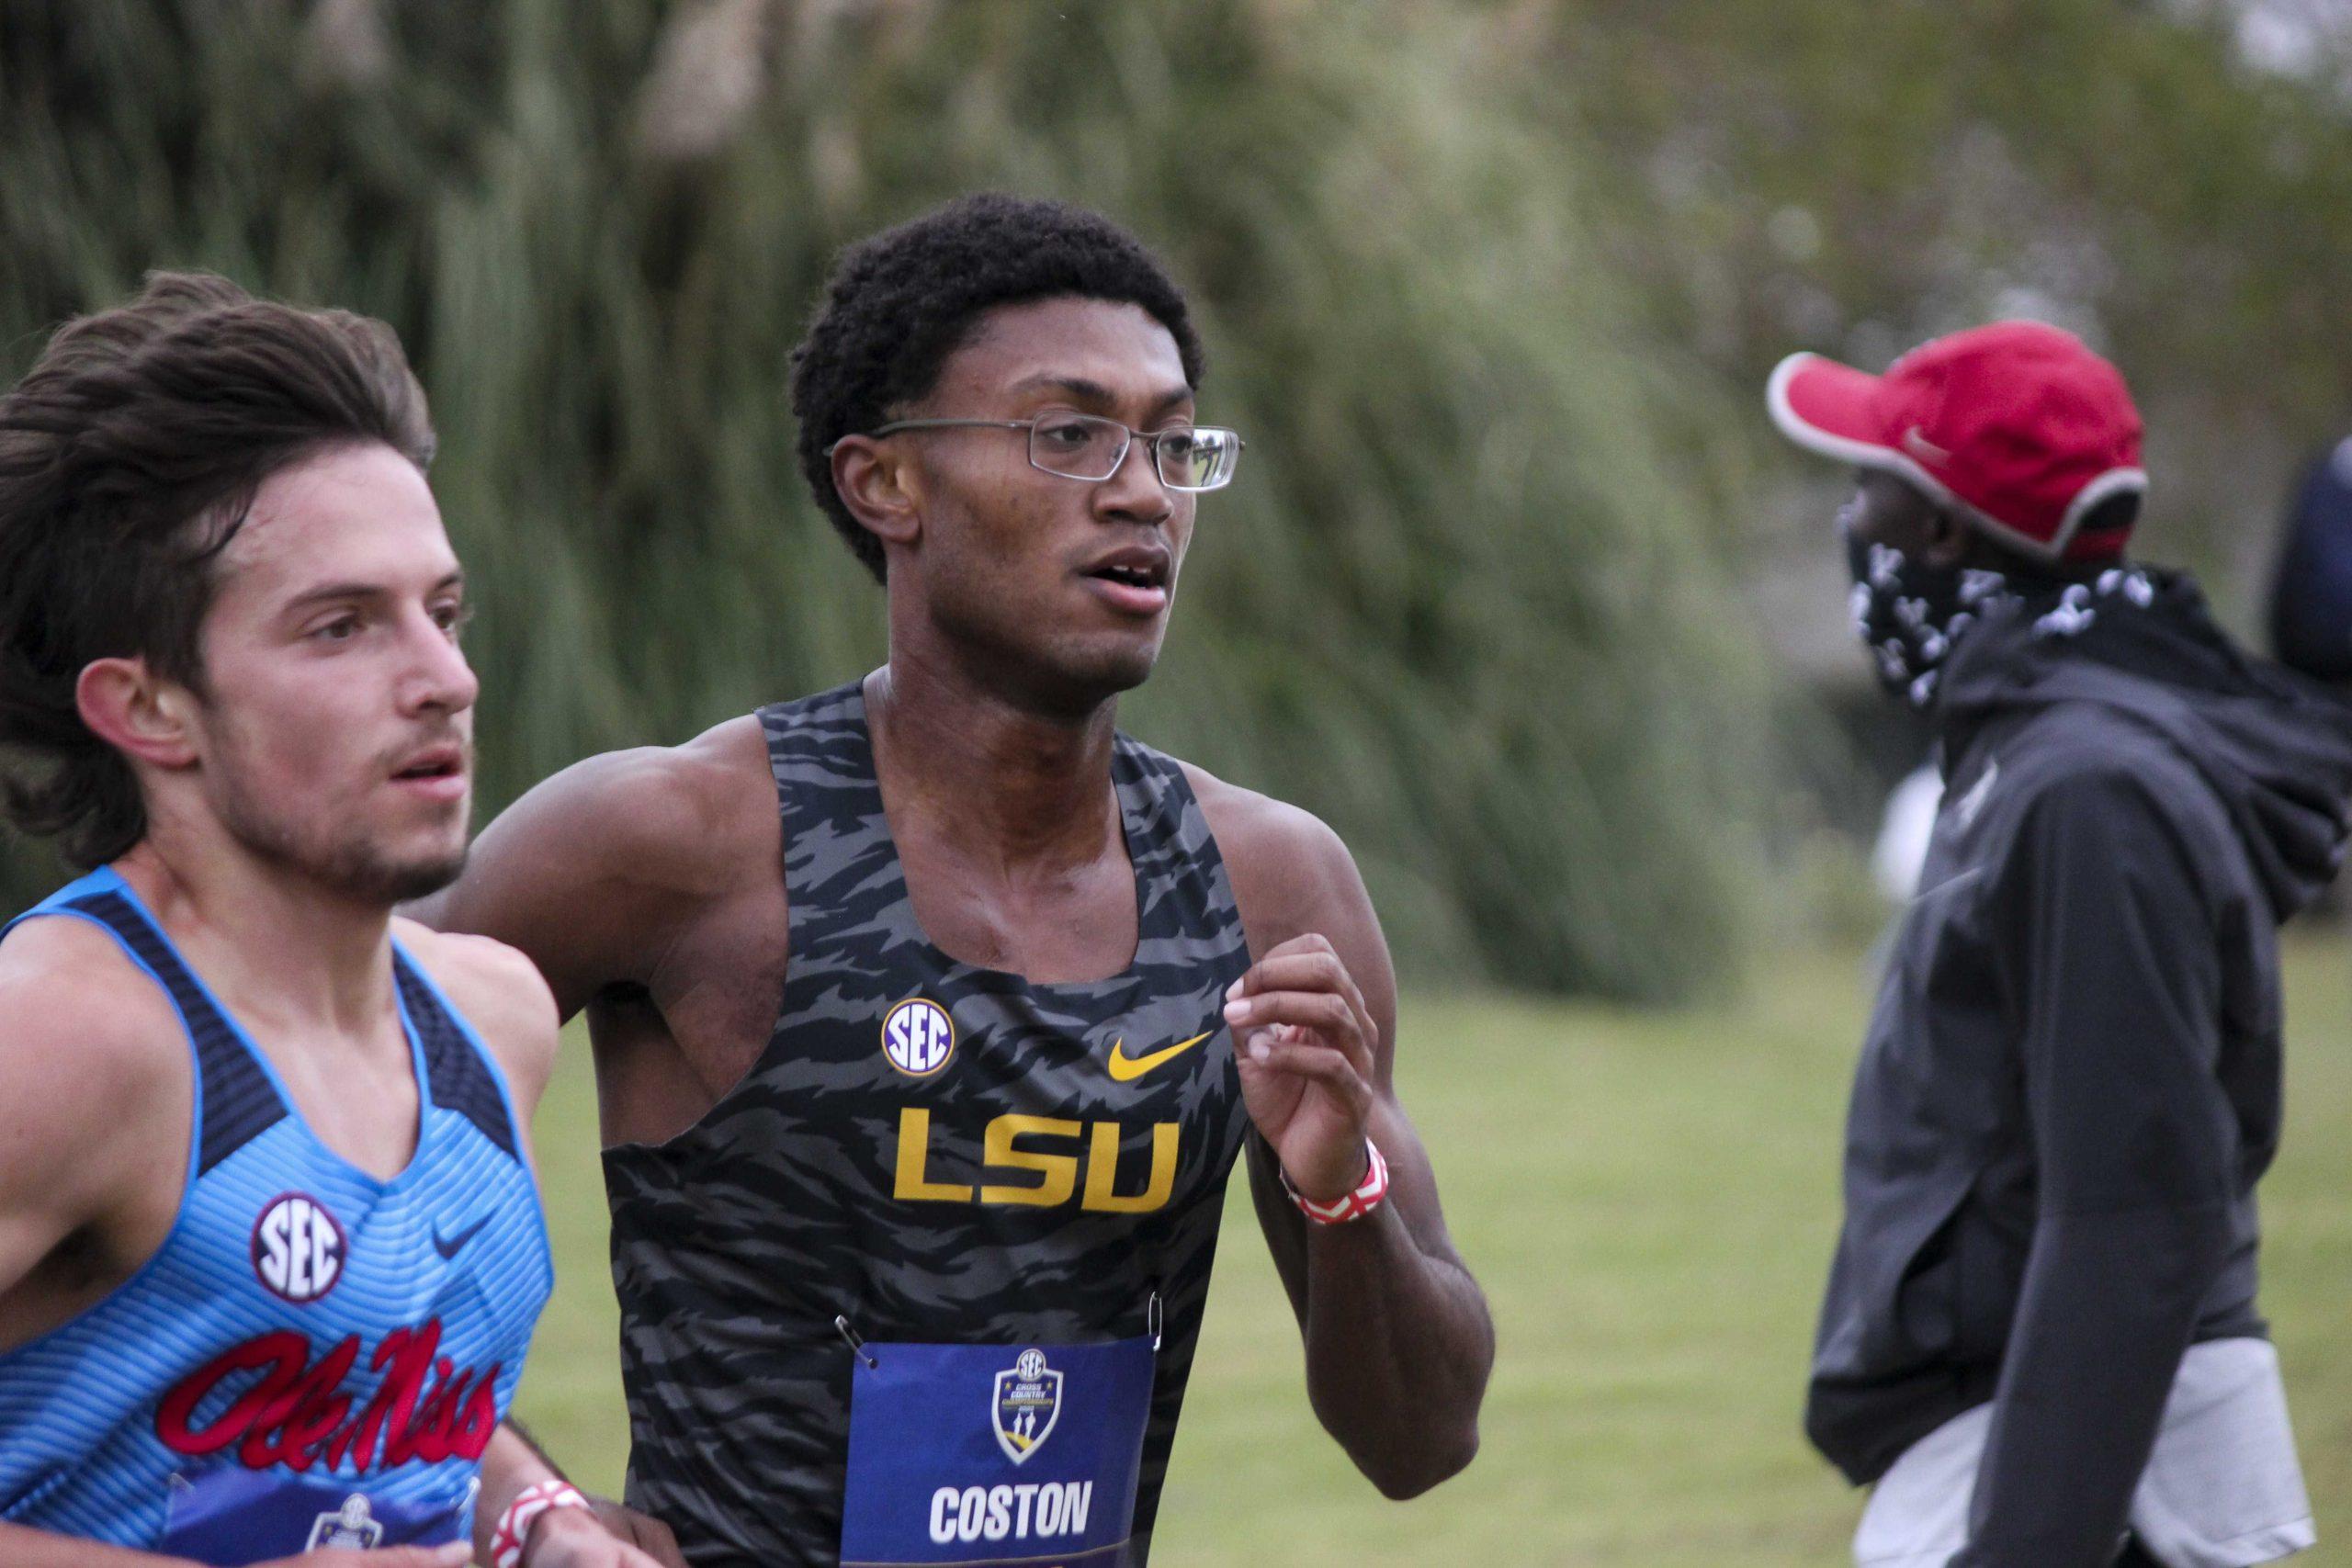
x=1516, y=589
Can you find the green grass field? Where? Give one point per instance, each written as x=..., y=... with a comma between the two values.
x=1649, y=1198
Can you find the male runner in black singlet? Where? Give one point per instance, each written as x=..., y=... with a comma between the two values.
x=916, y=1150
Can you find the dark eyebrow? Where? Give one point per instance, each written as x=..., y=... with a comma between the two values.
x=1082, y=390
x=334, y=591
x=1171, y=399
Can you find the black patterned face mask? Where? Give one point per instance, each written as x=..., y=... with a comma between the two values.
x=1908, y=612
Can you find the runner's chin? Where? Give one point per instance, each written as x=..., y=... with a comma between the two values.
x=1112, y=658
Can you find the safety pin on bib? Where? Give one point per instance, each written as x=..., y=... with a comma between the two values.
x=1151, y=1324
x=857, y=1346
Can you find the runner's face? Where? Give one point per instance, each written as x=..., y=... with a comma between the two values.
x=1023, y=566
x=337, y=726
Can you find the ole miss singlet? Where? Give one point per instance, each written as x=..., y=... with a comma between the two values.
x=315, y=1357
x=924, y=1287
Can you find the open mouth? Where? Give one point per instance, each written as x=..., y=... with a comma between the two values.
x=1133, y=576
x=439, y=765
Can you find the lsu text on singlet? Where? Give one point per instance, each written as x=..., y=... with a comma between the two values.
x=315, y=1357
x=925, y=1286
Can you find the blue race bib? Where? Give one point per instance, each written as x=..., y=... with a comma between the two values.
x=980, y=1454
x=229, y=1516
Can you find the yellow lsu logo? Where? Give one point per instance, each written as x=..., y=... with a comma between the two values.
x=1027, y=1144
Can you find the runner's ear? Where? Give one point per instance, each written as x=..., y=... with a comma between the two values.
x=137, y=712
x=879, y=483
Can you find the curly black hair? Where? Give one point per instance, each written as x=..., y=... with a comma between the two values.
x=902, y=301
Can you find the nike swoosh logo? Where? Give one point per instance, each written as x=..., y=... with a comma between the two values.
x=1915, y=441
x=1126, y=1069
x=450, y=1246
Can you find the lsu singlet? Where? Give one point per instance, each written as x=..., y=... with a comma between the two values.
x=315, y=1357
x=930, y=1151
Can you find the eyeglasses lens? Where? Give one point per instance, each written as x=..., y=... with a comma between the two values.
x=1197, y=459
x=1082, y=447
x=1077, y=444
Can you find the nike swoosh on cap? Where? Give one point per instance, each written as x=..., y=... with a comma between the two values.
x=1126, y=1069
x=1915, y=441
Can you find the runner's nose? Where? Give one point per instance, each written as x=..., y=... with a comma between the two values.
x=1134, y=492
x=439, y=677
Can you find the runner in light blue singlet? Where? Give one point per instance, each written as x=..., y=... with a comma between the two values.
x=315, y=1357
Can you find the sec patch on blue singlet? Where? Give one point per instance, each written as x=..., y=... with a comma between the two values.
x=974, y=1455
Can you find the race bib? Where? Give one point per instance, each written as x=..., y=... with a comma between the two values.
x=981, y=1454
x=230, y=1516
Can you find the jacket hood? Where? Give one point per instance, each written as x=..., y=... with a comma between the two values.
x=2274, y=746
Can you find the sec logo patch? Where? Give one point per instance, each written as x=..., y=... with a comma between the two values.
x=297, y=1249
x=918, y=1036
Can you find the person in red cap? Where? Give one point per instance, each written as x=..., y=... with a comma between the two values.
x=2039, y=1344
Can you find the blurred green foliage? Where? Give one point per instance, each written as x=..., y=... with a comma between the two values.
x=1808, y=174
x=1490, y=287
x=1458, y=604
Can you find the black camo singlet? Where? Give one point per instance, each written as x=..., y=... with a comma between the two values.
x=830, y=1182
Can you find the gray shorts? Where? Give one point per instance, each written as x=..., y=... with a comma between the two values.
x=2223, y=1489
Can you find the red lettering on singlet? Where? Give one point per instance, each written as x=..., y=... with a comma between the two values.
x=297, y=1412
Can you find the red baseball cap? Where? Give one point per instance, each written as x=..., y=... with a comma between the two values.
x=2016, y=425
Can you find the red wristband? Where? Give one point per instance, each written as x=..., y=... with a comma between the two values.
x=515, y=1523
x=1347, y=1206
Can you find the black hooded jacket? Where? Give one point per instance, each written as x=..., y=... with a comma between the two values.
x=2071, y=1081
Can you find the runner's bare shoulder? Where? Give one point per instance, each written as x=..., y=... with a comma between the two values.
x=1290, y=870
x=1292, y=876
x=498, y=991
x=95, y=1076
x=597, y=871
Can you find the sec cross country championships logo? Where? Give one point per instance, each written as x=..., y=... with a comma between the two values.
x=1028, y=1397
x=918, y=1037
x=354, y=1527
x=297, y=1249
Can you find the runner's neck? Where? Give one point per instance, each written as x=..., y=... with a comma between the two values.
x=324, y=963
x=1029, y=794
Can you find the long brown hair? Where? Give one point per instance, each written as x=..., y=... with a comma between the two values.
x=129, y=456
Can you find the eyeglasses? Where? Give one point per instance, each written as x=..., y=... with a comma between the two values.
x=1086, y=447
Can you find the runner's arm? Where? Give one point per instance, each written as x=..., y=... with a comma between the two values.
x=1397, y=1337
x=96, y=1095
x=612, y=1534
x=47, y=1195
